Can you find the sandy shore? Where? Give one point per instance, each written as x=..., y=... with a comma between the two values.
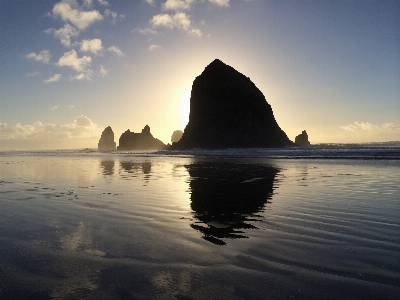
x=126, y=227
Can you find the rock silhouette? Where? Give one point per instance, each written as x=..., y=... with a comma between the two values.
x=227, y=110
x=176, y=136
x=302, y=139
x=227, y=197
x=106, y=141
x=140, y=141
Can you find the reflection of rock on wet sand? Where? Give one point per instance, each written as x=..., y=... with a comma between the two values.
x=226, y=196
x=133, y=168
x=108, y=167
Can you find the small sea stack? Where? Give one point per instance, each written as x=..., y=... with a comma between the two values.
x=140, y=141
x=106, y=142
x=302, y=139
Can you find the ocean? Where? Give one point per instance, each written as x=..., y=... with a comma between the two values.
x=296, y=223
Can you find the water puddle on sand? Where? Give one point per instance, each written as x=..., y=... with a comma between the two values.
x=126, y=227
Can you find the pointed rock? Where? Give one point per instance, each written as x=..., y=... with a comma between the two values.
x=227, y=110
x=302, y=139
x=106, y=141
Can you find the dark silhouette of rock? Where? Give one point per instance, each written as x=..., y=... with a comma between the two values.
x=176, y=136
x=106, y=141
x=302, y=139
x=226, y=197
x=140, y=141
x=228, y=111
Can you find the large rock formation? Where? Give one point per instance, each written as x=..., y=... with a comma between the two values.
x=302, y=139
x=140, y=141
x=106, y=141
x=228, y=111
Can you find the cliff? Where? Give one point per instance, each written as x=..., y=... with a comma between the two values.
x=140, y=141
x=227, y=110
x=106, y=141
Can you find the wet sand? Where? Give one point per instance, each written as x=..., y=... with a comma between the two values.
x=106, y=226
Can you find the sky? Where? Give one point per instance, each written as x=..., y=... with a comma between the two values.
x=70, y=68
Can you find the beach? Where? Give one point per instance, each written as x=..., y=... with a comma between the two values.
x=98, y=225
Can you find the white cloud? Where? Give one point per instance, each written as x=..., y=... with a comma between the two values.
x=196, y=32
x=151, y=2
x=89, y=3
x=221, y=3
x=145, y=31
x=162, y=20
x=95, y=46
x=81, y=127
x=153, y=47
x=179, y=20
x=43, y=56
x=178, y=4
x=103, y=71
x=115, y=50
x=64, y=34
x=54, y=107
x=68, y=10
x=70, y=59
x=112, y=14
x=32, y=74
x=369, y=132
x=54, y=78
x=87, y=75
x=103, y=2
x=20, y=131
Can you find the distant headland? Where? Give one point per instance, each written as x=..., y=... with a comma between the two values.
x=227, y=110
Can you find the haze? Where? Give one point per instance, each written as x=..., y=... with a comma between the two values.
x=70, y=68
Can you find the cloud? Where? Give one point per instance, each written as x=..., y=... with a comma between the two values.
x=70, y=59
x=177, y=4
x=195, y=32
x=221, y=3
x=153, y=47
x=368, y=131
x=87, y=3
x=32, y=74
x=103, y=2
x=95, y=46
x=19, y=131
x=43, y=56
x=68, y=10
x=54, y=107
x=115, y=50
x=162, y=20
x=84, y=75
x=64, y=34
x=81, y=127
x=54, y=78
x=179, y=20
x=145, y=31
x=112, y=14
x=103, y=71
x=151, y=2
